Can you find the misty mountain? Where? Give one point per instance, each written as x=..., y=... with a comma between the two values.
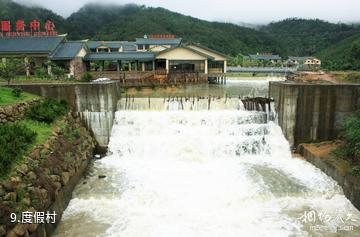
x=130, y=21
x=12, y=11
x=302, y=37
x=295, y=37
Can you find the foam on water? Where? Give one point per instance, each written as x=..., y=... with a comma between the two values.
x=201, y=173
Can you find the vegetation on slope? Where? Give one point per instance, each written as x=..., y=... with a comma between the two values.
x=12, y=11
x=290, y=37
x=17, y=138
x=345, y=55
x=10, y=96
x=301, y=37
x=131, y=21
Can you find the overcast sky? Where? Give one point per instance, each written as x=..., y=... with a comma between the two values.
x=248, y=11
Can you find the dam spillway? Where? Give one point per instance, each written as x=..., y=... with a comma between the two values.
x=218, y=171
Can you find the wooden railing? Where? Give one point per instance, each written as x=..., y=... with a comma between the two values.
x=150, y=78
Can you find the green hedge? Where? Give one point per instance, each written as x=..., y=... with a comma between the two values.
x=351, y=137
x=14, y=141
x=47, y=111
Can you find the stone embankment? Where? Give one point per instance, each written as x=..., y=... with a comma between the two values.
x=13, y=112
x=43, y=182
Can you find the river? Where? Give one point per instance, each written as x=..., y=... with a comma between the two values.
x=185, y=170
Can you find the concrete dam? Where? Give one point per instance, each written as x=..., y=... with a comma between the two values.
x=96, y=103
x=313, y=112
x=212, y=165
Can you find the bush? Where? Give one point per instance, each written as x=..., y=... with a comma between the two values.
x=14, y=141
x=353, y=76
x=16, y=92
x=351, y=136
x=86, y=77
x=57, y=71
x=138, y=87
x=153, y=86
x=41, y=72
x=47, y=111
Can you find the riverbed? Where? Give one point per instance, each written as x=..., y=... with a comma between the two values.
x=192, y=171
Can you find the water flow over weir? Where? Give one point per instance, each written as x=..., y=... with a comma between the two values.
x=192, y=170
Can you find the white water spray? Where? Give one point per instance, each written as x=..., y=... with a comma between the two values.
x=198, y=172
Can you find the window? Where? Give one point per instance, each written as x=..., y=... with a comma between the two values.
x=140, y=47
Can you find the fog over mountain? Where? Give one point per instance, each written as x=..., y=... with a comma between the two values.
x=254, y=12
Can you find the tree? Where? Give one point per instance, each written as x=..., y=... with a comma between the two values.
x=57, y=71
x=9, y=69
x=355, y=55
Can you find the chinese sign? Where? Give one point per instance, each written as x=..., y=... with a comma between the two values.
x=21, y=28
x=28, y=217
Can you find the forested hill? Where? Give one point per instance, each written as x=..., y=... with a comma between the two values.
x=344, y=55
x=295, y=37
x=12, y=11
x=130, y=21
x=307, y=37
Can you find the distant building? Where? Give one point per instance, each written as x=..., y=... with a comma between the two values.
x=305, y=63
x=264, y=57
x=150, y=53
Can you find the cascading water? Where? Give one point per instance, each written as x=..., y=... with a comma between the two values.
x=203, y=172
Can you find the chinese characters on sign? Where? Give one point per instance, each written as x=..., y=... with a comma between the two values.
x=32, y=29
x=34, y=217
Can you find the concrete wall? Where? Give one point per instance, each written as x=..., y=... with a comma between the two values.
x=349, y=183
x=95, y=102
x=313, y=112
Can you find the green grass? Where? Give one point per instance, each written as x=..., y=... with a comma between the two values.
x=6, y=96
x=347, y=76
x=42, y=129
x=35, y=79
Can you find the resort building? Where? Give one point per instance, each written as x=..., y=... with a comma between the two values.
x=156, y=54
x=264, y=58
x=305, y=63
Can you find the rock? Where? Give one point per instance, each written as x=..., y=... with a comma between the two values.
x=2, y=230
x=8, y=186
x=23, y=169
x=20, y=229
x=43, y=193
x=11, y=234
x=31, y=175
x=10, y=197
x=26, y=201
x=72, y=172
x=65, y=176
x=58, y=186
x=36, y=153
x=102, y=176
x=32, y=227
x=44, y=152
x=46, y=145
x=2, y=191
x=55, y=178
x=15, y=179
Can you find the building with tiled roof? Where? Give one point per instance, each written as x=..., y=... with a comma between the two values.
x=151, y=53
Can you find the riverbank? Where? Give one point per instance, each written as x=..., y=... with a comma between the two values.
x=341, y=170
x=43, y=181
x=324, y=77
x=44, y=153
